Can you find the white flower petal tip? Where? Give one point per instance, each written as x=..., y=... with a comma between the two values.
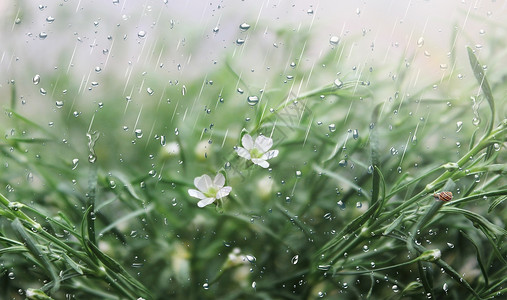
x=259, y=151
x=209, y=190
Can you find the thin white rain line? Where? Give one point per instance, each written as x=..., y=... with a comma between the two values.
x=311, y=71
x=93, y=46
x=202, y=134
x=175, y=109
x=149, y=135
x=294, y=188
x=87, y=80
x=81, y=84
x=426, y=120
x=287, y=63
x=141, y=86
x=361, y=67
x=162, y=95
x=409, y=41
x=159, y=57
x=308, y=130
x=259, y=14
x=239, y=80
x=78, y=4
x=138, y=117
x=15, y=18
x=219, y=97
x=405, y=150
x=71, y=58
x=184, y=115
x=150, y=51
x=145, y=5
x=406, y=11
x=199, y=95
x=3, y=56
x=109, y=53
x=142, y=48
x=225, y=137
x=300, y=59
x=72, y=106
x=55, y=85
x=300, y=86
x=391, y=37
x=273, y=128
x=313, y=16
x=348, y=112
x=128, y=79
x=91, y=123
x=414, y=137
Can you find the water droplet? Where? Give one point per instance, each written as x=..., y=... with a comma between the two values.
x=138, y=133
x=150, y=91
x=43, y=35
x=252, y=100
x=250, y=258
x=342, y=163
x=75, y=162
x=36, y=79
x=359, y=204
x=355, y=134
x=50, y=19
x=141, y=34
x=420, y=42
x=205, y=286
x=445, y=287
x=43, y=92
x=324, y=267
x=298, y=174
x=216, y=29
x=334, y=40
x=395, y=288
x=309, y=11
x=59, y=104
x=332, y=127
x=459, y=126
x=244, y=27
x=11, y=275
x=366, y=248
x=338, y=83
x=254, y=284
x=240, y=41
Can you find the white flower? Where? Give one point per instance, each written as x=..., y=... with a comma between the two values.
x=208, y=191
x=258, y=152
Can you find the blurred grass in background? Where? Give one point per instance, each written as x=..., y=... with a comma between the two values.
x=365, y=138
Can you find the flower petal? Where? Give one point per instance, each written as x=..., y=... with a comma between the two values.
x=219, y=180
x=263, y=143
x=261, y=162
x=243, y=153
x=196, y=194
x=270, y=154
x=203, y=183
x=223, y=192
x=247, y=142
x=205, y=201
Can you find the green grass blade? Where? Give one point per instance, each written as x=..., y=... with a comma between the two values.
x=483, y=83
x=479, y=259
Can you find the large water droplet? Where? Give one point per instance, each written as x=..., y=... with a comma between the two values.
x=141, y=34
x=332, y=127
x=36, y=79
x=295, y=259
x=244, y=27
x=334, y=40
x=252, y=100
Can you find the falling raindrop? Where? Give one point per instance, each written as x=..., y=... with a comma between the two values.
x=420, y=42
x=252, y=100
x=355, y=134
x=334, y=40
x=75, y=162
x=338, y=83
x=459, y=126
x=244, y=27
x=36, y=79
x=295, y=259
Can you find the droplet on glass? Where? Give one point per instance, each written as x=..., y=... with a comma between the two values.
x=36, y=79
x=332, y=127
x=141, y=34
x=420, y=42
x=43, y=35
x=459, y=126
x=338, y=83
x=252, y=100
x=244, y=27
x=334, y=40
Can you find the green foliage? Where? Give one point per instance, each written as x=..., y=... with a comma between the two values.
x=346, y=209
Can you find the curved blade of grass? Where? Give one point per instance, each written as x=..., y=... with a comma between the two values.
x=381, y=183
x=340, y=178
x=116, y=267
x=496, y=202
x=479, y=259
x=483, y=83
x=394, y=224
x=296, y=221
x=37, y=253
